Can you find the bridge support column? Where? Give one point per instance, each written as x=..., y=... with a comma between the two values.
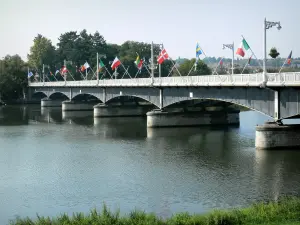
x=274, y=136
x=103, y=110
x=46, y=102
x=161, y=118
x=71, y=105
x=276, y=105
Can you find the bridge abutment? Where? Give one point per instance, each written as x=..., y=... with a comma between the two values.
x=103, y=110
x=71, y=105
x=274, y=136
x=159, y=118
x=46, y=102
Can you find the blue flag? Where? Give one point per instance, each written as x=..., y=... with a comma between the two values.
x=30, y=74
x=198, y=51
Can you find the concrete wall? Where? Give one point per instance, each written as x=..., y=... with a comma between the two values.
x=50, y=103
x=174, y=119
x=273, y=136
x=77, y=106
x=101, y=110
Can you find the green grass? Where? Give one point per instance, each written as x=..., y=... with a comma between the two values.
x=285, y=211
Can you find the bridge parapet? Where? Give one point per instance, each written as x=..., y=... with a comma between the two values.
x=282, y=79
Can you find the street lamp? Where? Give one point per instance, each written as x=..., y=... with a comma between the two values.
x=230, y=46
x=267, y=25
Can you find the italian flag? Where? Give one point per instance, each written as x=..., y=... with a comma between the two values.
x=101, y=65
x=243, y=48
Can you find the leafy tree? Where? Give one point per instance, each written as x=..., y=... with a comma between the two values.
x=13, y=77
x=201, y=69
x=274, y=53
x=42, y=52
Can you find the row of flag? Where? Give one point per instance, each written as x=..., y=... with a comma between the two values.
x=163, y=55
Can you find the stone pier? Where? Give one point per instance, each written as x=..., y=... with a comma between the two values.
x=46, y=102
x=274, y=136
x=159, y=118
x=103, y=110
x=78, y=105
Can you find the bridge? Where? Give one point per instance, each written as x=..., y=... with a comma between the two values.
x=275, y=95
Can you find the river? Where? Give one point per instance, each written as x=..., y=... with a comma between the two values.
x=53, y=162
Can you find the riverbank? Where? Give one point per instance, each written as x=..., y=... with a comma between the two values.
x=286, y=211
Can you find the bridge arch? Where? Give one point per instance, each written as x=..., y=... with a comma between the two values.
x=58, y=95
x=135, y=98
x=39, y=95
x=218, y=100
x=86, y=96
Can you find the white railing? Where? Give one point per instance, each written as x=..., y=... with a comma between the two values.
x=282, y=79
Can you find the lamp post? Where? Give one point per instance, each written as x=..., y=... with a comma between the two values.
x=230, y=46
x=267, y=25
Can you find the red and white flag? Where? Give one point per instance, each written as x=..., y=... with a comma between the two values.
x=162, y=56
x=115, y=63
x=63, y=70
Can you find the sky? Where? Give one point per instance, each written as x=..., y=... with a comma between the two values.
x=178, y=24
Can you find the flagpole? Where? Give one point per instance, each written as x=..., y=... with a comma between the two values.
x=282, y=65
x=126, y=71
x=97, y=68
x=43, y=74
x=215, y=71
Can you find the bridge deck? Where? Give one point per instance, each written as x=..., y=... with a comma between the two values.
x=255, y=80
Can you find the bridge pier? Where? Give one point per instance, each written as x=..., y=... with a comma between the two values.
x=274, y=136
x=46, y=102
x=103, y=110
x=71, y=105
x=160, y=118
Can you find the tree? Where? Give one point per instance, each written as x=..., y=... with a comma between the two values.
x=42, y=52
x=274, y=53
x=202, y=68
x=13, y=77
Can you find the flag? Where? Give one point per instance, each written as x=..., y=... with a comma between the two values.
x=115, y=63
x=162, y=56
x=221, y=62
x=289, y=58
x=243, y=48
x=140, y=65
x=85, y=66
x=137, y=61
x=249, y=60
x=198, y=51
x=30, y=74
x=101, y=65
x=63, y=70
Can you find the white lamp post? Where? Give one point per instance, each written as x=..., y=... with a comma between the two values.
x=267, y=25
x=230, y=46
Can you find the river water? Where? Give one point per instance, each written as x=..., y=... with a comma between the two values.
x=53, y=162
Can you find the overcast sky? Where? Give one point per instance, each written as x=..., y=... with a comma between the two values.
x=178, y=24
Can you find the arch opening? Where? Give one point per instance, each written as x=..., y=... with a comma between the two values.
x=130, y=100
x=37, y=96
x=86, y=98
x=58, y=96
x=211, y=105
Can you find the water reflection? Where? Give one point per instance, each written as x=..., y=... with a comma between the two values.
x=121, y=127
x=277, y=172
x=72, y=162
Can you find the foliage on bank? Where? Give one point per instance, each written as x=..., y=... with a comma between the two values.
x=13, y=78
x=285, y=211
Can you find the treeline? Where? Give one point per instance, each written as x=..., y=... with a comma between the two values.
x=77, y=48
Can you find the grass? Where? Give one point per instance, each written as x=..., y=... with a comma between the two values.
x=285, y=211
